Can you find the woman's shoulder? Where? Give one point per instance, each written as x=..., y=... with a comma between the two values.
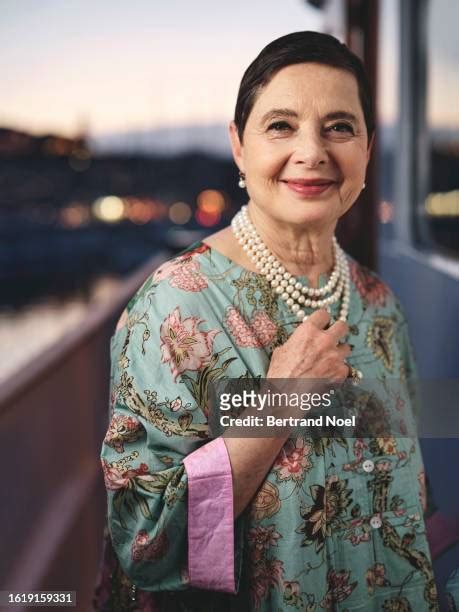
x=177, y=281
x=372, y=289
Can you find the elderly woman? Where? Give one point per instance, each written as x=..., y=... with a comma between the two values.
x=272, y=523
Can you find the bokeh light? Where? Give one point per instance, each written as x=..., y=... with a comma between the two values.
x=139, y=211
x=386, y=212
x=443, y=204
x=74, y=215
x=109, y=209
x=210, y=207
x=207, y=219
x=211, y=201
x=180, y=213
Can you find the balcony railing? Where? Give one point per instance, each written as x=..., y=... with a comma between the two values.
x=53, y=417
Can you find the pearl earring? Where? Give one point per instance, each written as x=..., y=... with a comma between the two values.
x=241, y=180
x=364, y=185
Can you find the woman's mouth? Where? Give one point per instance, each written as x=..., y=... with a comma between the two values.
x=307, y=188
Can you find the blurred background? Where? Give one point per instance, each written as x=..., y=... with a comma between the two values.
x=114, y=155
x=113, y=144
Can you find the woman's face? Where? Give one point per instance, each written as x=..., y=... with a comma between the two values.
x=305, y=146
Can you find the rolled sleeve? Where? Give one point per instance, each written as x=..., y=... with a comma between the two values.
x=210, y=518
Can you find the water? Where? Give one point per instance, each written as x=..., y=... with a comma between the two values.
x=26, y=333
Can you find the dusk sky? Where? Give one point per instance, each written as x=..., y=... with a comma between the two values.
x=117, y=65
x=112, y=66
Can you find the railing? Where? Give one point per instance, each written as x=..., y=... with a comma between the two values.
x=53, y=416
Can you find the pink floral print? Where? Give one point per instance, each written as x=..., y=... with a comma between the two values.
x=116, y=479
x=266, y=575
x=122, y=429
x=293, y=460
x=370, y=287
x=259, y=332
x=183, y=273
x=267, y=572
x=339, y=588
x=376, y=576
x=183, y=345
x=261, y=538
x=144, y=549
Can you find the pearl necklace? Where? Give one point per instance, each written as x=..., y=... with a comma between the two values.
x=296, y=295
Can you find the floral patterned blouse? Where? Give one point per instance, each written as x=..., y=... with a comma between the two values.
x=337, y=523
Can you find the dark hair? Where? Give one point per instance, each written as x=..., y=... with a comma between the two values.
x=298, y=48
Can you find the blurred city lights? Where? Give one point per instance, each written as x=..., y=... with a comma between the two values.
x=443, y=204
x=57, y=145
x=110, y=209
x=211, y=201
x=139, y=211
x=180, y=213
x=210, y=207
x=74, y=215
x=207, y=219
x=386, y=211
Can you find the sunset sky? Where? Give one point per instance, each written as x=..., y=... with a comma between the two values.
x=112, y=66
x=117, y=65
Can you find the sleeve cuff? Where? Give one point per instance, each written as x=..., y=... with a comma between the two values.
x=210, y=518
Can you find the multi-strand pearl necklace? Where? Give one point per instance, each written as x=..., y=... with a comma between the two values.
x=296, y=295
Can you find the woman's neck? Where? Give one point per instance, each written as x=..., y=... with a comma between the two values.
x=303, y=252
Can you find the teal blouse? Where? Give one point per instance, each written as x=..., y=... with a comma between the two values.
x=337, y=523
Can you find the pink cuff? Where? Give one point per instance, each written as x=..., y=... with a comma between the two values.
x=210, y=518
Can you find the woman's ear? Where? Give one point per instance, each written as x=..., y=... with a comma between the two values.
x=236, y=146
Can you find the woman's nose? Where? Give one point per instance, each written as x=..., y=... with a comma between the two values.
x=310, y=150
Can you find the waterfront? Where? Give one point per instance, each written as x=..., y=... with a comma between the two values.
x=26, y=333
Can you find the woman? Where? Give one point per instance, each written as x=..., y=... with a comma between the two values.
x=267, y=523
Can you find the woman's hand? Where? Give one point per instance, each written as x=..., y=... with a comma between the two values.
x=312, y=351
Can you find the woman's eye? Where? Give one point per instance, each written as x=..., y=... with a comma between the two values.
x=279, y=126
x=342, y=128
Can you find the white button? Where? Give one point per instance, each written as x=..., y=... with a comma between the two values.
x=375, y=522
x=368, y=465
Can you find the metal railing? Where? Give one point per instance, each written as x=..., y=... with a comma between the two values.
x=53, y=417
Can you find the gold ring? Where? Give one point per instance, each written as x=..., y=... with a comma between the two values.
x=354, y=374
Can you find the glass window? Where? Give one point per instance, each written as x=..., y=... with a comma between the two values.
x=440, y=217
x=387, y=105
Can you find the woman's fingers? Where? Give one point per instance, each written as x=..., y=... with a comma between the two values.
x=344, y=350
x=313, y=351
x=320, y=318
x=315, y=331
x=338, y=330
